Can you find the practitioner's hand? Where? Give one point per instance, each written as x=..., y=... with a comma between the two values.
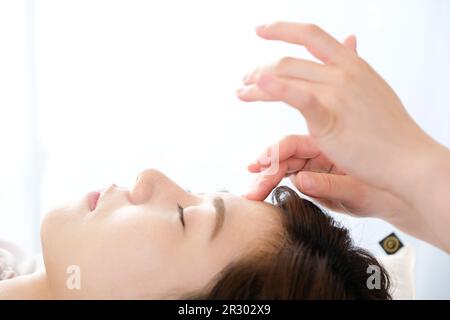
x=317, y=177
x=297, y=153
x=355, y=117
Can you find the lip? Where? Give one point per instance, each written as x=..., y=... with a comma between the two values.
x=92, y=199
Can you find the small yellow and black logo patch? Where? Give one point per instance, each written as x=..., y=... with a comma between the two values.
x=391, y=244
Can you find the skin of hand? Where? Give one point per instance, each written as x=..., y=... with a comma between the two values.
x=315, y=176
x=351, y=112
x=358, y=121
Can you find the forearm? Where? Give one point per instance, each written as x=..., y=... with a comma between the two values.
x=424, y=183
x=434, y=198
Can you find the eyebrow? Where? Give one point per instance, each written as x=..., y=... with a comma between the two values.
x=219, y=205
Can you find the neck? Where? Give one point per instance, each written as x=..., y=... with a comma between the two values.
x=32, y=287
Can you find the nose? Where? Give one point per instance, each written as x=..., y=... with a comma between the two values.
x=148, y=182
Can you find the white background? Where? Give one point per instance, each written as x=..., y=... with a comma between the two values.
x=92, y=92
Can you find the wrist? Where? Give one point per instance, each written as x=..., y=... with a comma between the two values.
x=433, y=175
x=427, y=188
x=424, y=171
x=434, y=204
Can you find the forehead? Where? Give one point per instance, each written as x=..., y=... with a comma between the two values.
x=237, y=207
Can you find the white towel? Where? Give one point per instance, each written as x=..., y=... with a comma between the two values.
x=14, y=261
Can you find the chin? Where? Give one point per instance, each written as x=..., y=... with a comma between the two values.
x=48, y=227
x=55, y=223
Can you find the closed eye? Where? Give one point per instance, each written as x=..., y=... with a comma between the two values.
x=181, y=214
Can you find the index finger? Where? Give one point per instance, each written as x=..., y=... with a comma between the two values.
x=292, y=146
x=319, y=43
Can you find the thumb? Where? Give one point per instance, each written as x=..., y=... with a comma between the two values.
x=265, y=182
x=350, y=42
x=329, y=186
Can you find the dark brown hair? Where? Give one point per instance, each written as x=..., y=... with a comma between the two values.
x=315, y=260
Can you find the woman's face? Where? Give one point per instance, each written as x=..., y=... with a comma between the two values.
x=134, y=245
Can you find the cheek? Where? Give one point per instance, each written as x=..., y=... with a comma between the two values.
x=199, y=225
x=129, y=252
x=140, y=236
x=126, y=251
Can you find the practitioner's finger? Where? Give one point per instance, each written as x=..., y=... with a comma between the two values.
x=301, y=95
x=253, y=93
x=329, y=186
x=292, y=146
x=265, y=183
x=292, y=68
x=350, y=43
x=319, y=43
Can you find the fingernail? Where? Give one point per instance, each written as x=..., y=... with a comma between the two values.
x=239, y=90
x=307, y=182
x=244, y=79
x=260, y=28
